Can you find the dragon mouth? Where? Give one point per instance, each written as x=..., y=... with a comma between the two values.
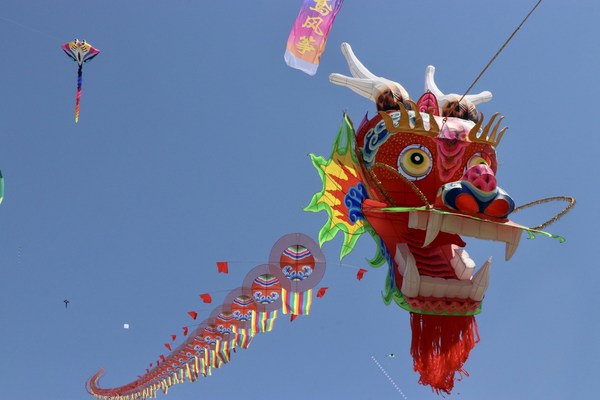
x=435, y=222
x=468, y=286
x=432, y=271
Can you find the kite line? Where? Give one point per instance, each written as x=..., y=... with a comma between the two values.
x=500, y=50
x=389, y=377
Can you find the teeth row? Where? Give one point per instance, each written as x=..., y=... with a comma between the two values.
x=461, y=262
x=435, y=223
x=413, y=284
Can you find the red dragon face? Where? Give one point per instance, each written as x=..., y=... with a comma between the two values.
x=446, y=163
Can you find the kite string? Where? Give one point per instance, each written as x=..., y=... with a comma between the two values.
x=389, y=377
x=500, y=50
x=30, y=28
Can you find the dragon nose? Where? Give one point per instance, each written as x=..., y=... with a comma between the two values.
x=476, y=193
x=481, y=176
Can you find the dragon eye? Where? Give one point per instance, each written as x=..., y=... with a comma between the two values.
x=477, y=159
x=415, y=162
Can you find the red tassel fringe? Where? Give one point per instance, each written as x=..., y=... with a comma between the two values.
x=440, y=347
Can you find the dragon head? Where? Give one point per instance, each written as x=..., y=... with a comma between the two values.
x=418, y=177
x=430, y=179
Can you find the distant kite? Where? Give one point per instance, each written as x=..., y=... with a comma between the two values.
x=81, y=52
x=66, y=303
x=309, y=34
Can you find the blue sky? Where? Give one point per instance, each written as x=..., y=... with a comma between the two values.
x=192, y=147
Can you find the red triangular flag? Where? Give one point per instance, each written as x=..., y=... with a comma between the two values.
x=162, y=358
x=223, y=267
x=206, y=298
x=173, y=337
x=322, y=291
x=360, y=274
x=193, y=314
x=168, y=346
x=185, y=330
x=292, y=317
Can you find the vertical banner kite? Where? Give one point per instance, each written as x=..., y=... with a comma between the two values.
x=309, y=34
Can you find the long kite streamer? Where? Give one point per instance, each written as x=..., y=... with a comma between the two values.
x=309, y=34
x=285, y=285
x=80, y=52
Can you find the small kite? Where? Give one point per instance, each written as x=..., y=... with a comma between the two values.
x=80, y=52
x=309, y=34
x=66, y=303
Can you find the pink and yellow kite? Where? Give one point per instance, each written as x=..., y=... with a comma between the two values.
x=80, y=52
x=309, y=34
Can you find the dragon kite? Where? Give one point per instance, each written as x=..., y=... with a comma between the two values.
x=417, y=177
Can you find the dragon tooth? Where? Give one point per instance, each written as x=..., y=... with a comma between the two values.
x=444, y=288
x=426, y=286
x=488, y=231
x=456, y=289
x=462, y=263
x=411, y=279
x=481, y=281
x=399, y=257
x=417, y=220
x=512, y=244
x=440, y=287
x=434, y=225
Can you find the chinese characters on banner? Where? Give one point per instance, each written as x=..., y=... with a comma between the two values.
x=309, y=34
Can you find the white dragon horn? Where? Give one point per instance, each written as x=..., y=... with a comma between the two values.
x=430, y=85
x=363, y=81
